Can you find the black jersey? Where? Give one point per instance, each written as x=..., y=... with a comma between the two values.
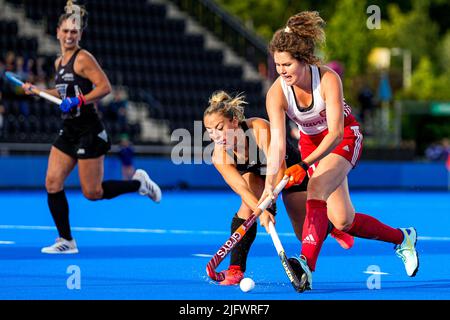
x=257, y=162
x=70, y=84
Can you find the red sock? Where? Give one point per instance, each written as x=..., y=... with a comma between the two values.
x=234, y=267
x=368, y=227
x=314, y=230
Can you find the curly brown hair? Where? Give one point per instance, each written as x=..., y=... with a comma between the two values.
x=300, y=36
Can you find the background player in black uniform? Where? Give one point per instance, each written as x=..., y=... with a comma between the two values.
x=240, y=157
x=82, y=140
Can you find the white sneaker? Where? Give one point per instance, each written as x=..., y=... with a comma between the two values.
x=148, y=186
x=61, y=246
x=407, y=251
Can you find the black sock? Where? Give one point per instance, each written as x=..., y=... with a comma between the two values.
x=240, y=251
x=330, y=227
x=114, y=188
x=59, y=208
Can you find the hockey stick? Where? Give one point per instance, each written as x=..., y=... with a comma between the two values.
x=239, y=234
x=14, y=79
x=298, y=284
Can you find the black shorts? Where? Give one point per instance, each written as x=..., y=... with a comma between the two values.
x=83, y=140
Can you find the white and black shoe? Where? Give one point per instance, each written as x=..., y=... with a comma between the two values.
x=61, y=246
x=148, y=186
x=407, y=251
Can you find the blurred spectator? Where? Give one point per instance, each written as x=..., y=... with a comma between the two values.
x=2, y=66
x=20, y=69
x=116, y=109
x=10, y=61
x=438, y=151
x=23, y=75
x=2, y=70
x=337, y=67
x=126, y=155
x=366, y=102
x=40, y=65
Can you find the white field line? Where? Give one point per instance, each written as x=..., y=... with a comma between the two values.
x=167, y=231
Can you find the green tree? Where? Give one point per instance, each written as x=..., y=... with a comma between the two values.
x=427, y=84
x=266, y=16
x=348, y=38
x=412, y=30
x=444, y=53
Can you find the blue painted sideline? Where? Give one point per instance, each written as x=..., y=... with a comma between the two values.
x=29, y=172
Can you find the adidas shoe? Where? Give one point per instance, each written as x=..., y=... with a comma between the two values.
x=61, y=246
x=233, y=276
x=302, y=272
x=345, y=240
x=407, y=251
x=148, y=186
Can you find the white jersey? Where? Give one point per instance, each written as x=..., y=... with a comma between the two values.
x=311, y=120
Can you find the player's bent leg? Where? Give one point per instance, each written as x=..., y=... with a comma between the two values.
x=341, y=215
x=90, y=172
x=239, y=254
x=59, y=167
x=327, y=177
x=91, y=176
x=364, y=226
x=407, y=251
x=345, y=240
x=294, y=202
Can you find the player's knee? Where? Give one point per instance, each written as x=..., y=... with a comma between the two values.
x=343, y=225
x=53, y=184
x=315, y=190
x=92, y=194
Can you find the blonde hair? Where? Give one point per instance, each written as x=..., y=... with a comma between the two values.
x=300, y=36
x=229, y=107
x=70, y=10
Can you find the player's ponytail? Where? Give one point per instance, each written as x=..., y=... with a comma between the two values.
x=230, y=107
x=302, y=33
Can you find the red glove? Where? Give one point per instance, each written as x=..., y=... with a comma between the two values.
x=297, y=173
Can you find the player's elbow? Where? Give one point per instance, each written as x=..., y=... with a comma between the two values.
x=337, y=136
x=107, y=88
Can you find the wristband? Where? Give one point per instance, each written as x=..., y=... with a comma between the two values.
x=82, y=100
x=304, y=165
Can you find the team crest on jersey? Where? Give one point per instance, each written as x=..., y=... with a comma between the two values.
x=323, y=113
